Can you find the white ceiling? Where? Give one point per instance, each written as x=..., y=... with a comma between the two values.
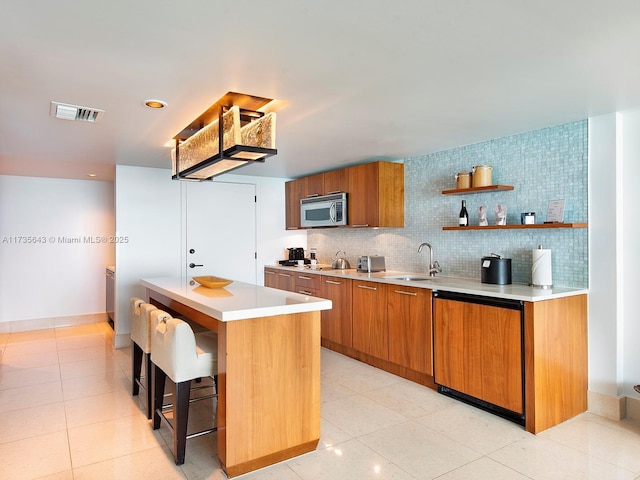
x=363, y=79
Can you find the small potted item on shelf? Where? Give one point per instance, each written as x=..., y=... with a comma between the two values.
x=501, y=215
x=482, y=216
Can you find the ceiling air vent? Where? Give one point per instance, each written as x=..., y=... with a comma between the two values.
x=66, y=111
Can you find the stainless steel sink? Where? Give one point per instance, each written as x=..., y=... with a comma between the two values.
x=409, y=278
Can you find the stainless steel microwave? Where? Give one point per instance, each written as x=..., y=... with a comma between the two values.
x=324, y=211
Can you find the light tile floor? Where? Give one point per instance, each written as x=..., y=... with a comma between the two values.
x=66, y=413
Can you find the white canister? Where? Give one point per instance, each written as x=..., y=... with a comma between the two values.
x=541, y=272
x=481, y=176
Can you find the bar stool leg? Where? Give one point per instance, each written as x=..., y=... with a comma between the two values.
x=181, y=416
x=149, y=387
x=137, y=367
x=159, y=378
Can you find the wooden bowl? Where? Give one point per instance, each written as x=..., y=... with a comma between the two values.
x=212, y=282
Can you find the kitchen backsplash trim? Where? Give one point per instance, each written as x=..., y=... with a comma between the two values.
x=542, y=165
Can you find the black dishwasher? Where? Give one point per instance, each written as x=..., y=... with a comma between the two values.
x=478, y=345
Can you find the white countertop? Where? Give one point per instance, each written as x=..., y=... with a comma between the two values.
x=237, y=301
x=469, y=286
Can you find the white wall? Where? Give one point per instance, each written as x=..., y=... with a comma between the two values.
x=53, y=278
x=150, y=212
x=148, y=215
x=605, y=368
x=614, y=259
x=631, y=251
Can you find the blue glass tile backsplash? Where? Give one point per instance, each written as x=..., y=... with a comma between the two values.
x=542, y=165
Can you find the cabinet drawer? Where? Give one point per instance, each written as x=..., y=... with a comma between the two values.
x=308, y=280
x=312, y=292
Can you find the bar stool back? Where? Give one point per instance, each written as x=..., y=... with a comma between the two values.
x=177, y=353
x=141, y=339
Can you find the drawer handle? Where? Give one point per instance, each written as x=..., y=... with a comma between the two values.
x=305, y=278
x=304, y=292
x=406, y=293
x=368, y=288
x=269, y=273
x=360, y=225
x=332, y=282
x=284, y=274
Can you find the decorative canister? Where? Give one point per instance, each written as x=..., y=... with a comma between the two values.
x=463, y=180
x=481, y=176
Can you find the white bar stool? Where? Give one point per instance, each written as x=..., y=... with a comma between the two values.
x=177, y=353
x=141, y=337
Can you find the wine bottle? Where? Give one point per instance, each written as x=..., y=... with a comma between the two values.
x=463, y=220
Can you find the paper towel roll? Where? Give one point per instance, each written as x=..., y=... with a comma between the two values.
x=541, y=268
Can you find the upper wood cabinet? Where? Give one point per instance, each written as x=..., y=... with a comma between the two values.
x=293, y=192
x=336, y=181
x=376, y=195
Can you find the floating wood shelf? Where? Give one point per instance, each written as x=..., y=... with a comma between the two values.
x=490, y=188
x=517, y=227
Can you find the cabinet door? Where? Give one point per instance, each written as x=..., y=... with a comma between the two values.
x=293, y=192
x=410, y=332
x=376, y=195
x=363, y=195
x=336, y=181
x=502, y=358
x=477, y=350
x=370, y=319
x=286, y=281
x=314, y=185
x=449, y=344
x=336, y=325
x=270, y=278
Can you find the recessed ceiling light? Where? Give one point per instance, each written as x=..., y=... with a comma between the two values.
x=155, y=103
x=92, y=175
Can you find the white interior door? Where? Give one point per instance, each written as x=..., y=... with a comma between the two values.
x=221, y=230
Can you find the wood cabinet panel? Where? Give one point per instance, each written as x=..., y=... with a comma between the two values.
x=370, y=334
x=556, y=361
x=308, y=280
x=410, y=327
x=336, y=181
x=336, y=323
x=270, y=277
x=376, y=195
x=286, y=281
x=314, y=185
x=293, y=192
x=478, y=351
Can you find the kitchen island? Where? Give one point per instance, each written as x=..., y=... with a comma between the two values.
x=268, y=366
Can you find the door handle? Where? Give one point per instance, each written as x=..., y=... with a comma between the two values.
x=193, y=265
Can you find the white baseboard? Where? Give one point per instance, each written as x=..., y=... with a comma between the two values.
x=633, y=410
x=615, y=408
x=51, y=322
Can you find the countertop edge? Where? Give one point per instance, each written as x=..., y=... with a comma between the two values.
x=525, y=293
x=304, y=305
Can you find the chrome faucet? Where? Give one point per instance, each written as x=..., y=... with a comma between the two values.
x=434, y=267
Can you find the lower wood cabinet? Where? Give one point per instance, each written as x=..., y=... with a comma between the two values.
x=279, y=279
x=478, y=351
x=336, y=324
x=370, y=334
x=410, y=327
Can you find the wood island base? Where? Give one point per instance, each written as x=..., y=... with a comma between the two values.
x=268, y=385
